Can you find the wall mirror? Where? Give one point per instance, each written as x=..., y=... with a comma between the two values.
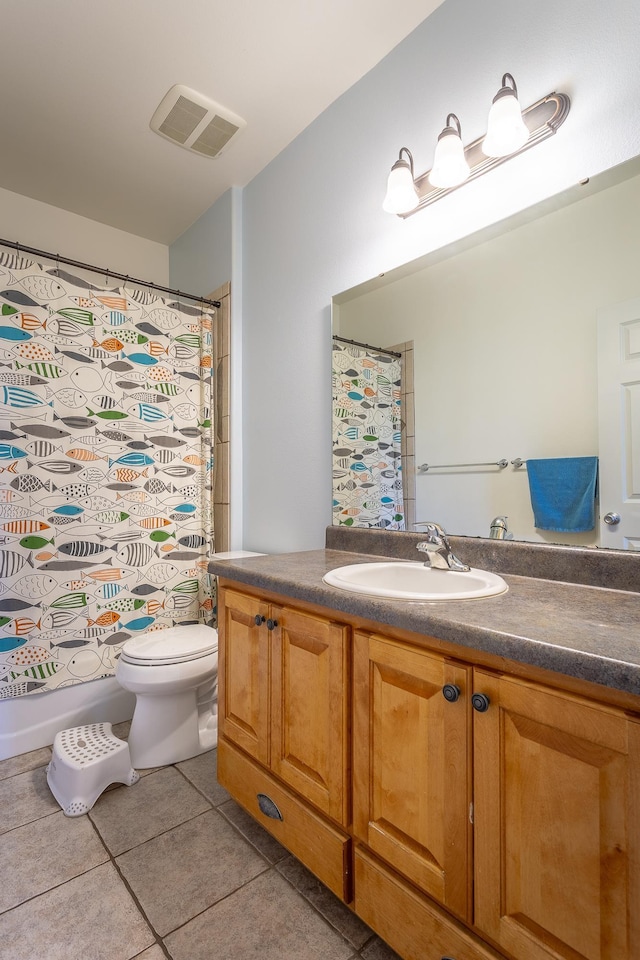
x=507, y=328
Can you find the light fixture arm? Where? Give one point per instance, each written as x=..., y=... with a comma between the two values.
x=401, y=162
x=542, y=119
x=452, y=121
x=504, y=90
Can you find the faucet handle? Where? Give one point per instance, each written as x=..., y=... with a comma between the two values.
x=433, y=531
x=438, y=549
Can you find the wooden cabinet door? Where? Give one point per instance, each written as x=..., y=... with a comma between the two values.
x=310, y=708
x=411, y=765
x=243, y=668
x=557, y=820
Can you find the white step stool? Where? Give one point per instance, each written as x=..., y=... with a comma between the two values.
x=85, y=760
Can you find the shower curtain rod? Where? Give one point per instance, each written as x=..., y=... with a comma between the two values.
x=367, y=346
x=20, y=248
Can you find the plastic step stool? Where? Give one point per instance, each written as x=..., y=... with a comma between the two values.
x=85, y=760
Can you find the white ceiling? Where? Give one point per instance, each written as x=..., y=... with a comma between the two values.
x=80, y=80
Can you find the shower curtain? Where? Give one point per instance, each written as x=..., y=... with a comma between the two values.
x=106, y=465
x=367, y=461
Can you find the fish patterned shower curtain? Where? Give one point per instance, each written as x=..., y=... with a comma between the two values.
x=367, y=458
x=106, y=466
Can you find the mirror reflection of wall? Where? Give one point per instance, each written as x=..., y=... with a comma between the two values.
x=505, y=337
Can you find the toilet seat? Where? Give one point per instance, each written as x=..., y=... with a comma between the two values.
x=178, y=644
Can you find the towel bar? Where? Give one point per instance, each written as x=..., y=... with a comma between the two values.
x=425, y=467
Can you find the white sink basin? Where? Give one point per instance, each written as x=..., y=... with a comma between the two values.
x=411, y=580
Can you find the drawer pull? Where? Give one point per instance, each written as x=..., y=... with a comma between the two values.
x=271, y=624
x=258, y=620
x=450, y=692
x=268, y=807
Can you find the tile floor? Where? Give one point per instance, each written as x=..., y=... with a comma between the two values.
x=169, y=868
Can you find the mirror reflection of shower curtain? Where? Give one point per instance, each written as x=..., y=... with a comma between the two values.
x=105, y=481
x=367, y=461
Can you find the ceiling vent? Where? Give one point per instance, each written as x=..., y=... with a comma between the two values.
x=196, y=123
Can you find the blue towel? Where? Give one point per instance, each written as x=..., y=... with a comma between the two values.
x=563, y=493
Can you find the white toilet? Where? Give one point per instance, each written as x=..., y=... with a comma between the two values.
x=174, y=674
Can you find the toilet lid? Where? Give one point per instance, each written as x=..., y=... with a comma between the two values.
x=188, y=641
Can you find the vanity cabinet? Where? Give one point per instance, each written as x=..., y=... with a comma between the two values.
x=493, y=816
x=284, y=727
x=552, y=798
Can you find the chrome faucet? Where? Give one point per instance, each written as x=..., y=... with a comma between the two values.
x=440, y=556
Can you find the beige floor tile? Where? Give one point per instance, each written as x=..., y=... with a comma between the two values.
x=265, y=920
x=379, y=950
x=26, y=761
x=179, y=874
x=46, y=853
x=90, y=918
x=255, y=834
x=121, y=730
x=202, y=771
x=24, y=798
x=153, y=953
x=141, y=772
x=326, y=903
x=126, y=818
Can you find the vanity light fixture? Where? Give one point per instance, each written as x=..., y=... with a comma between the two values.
x=401, y=193
x=450, y=167
x=506, y=130
x=510, y=132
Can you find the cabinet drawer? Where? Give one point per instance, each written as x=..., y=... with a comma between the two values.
x=323, y=849
x=407, y=921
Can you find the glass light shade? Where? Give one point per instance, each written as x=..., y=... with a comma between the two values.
x=401, y=194
x=450, y=167
x=506, y=130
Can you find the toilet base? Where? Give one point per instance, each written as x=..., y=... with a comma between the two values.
x=166, y=730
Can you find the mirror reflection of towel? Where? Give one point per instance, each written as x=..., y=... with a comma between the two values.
x=563, y=492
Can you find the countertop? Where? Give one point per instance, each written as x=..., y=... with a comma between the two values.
x=582, y=631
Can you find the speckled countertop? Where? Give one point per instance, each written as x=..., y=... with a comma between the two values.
x=580, y=630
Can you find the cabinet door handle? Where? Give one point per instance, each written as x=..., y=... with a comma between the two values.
x=258, y=620
x=451, y=692
x=271, y=624
x=480, y=702
x=268, y=807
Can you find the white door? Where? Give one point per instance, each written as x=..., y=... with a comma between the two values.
x=619, y=424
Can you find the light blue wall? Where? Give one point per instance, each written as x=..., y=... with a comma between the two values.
x=200, y=260
x=313, y=223
x=206, y=256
